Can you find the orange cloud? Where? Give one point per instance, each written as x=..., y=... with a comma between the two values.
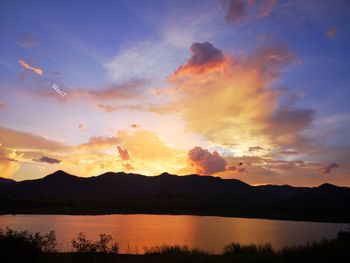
x=204, y=57
x=116, y=92
x=24, y=64
x=8, y=164
x=124, y=155
x=128, y=167
x=232, y=103
x=100, y=142
x=25, y=140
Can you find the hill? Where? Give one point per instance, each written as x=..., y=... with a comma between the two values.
x=110, y=192
x=6, y=180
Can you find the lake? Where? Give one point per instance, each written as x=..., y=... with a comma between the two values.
x=135, y=232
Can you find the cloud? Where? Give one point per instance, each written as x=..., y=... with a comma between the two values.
x=150, y=153
x=124, y=91
x=124, y=155
x=288, y=152
x=204, y=56
x=266, y=7
x=255, y=148
x=233, y=103
x=236, y=169
x=109, y=108
x=286, y=122
x=331, y=32
x=8, y=162
x=27, y=40
x=2, y=104
x=82, y=126
x=100, y=142
x=205, y=162
x=235, y=10
x=24, y=64
x=128, y=166
x=328, y=168
x=242, y=10
x=25, y=140
x=46, y=159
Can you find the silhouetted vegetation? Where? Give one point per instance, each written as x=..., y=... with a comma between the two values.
x=83, y=245
x=23, y=246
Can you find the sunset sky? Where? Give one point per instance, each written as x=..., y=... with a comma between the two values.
x=256, y=90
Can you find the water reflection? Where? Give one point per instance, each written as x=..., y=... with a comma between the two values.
x=135, y=232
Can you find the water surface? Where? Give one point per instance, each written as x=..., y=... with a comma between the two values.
x=135, y=232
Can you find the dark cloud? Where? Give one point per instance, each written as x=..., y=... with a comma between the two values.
x=235, y=10
x=239, y=10
x=328, y=168
x=124, y=154
x=135, y=126
x=46, y=159
x=293, y=119
x=203, y=53
x=286, y=126
x=256, y=149
x=204, y=56
x=206, y=162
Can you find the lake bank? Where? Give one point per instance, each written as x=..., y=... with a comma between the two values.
x=135, y=232
x=23, y=246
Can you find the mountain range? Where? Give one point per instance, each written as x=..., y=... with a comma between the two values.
x=63, y=193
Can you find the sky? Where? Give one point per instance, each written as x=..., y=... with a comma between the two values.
x=255, y=90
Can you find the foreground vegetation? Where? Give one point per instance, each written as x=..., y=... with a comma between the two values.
x=23, y=246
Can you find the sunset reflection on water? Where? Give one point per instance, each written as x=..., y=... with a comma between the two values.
x=135, y=232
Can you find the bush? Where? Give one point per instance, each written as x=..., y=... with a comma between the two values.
x=238, y=249
x=83, y=245
x=22, y=246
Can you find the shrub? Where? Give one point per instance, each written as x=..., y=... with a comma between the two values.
x=239, y=249
x=83, y=245
x=23, y=246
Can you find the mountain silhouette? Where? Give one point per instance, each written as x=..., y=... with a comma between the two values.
x=6, y=180
x=120, y=192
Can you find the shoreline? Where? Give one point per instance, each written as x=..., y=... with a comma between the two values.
x=276, y=218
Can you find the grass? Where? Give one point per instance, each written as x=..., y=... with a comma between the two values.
x=27, y=247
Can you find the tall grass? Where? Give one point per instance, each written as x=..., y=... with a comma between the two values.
x=22, y=246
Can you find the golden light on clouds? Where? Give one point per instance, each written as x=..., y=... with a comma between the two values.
x=36, y=70
x=231, y=102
